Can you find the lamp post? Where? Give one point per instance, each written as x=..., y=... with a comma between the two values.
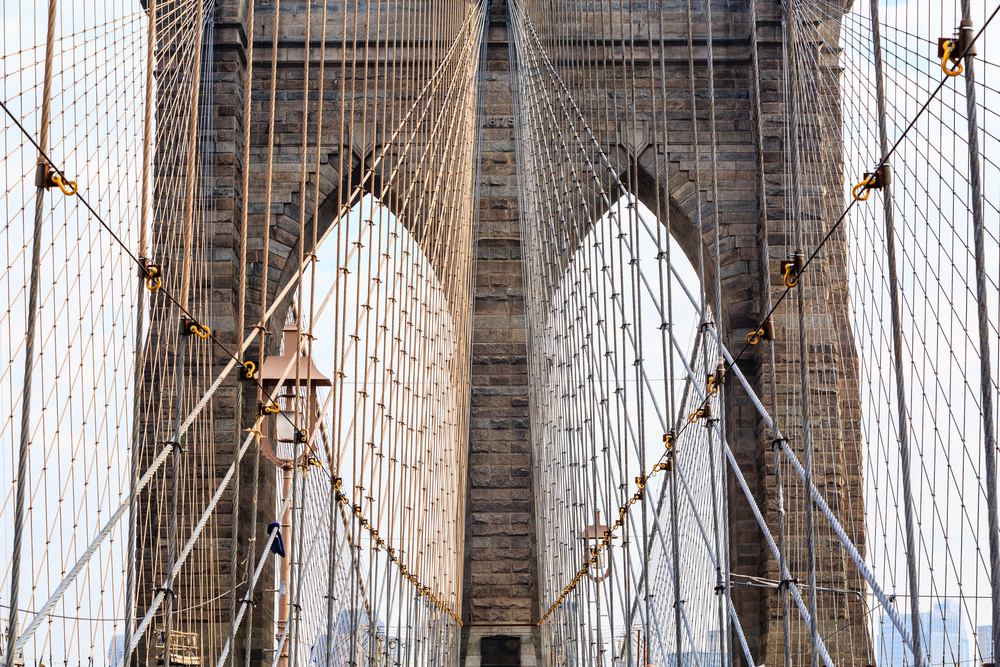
x=593, y=535
x=298, y=402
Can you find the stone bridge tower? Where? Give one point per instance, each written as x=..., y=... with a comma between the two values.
x=501, y=592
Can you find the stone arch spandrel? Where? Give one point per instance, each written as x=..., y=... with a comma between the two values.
x=336, y=201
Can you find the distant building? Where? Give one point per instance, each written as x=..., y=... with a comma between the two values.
x=348, y=633
x=946, y=638
x=984, y=638
x=116, y=651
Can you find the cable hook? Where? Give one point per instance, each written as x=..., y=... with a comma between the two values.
x=68, y=187
x=947, y=47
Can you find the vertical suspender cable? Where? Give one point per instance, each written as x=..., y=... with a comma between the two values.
x=986, y=379
x=721, y=513
x=897, y=348
x=145, y=194
x=791, y=68
x=29, y=337
x=240, y=389
x=765, y=286
x=185, y=294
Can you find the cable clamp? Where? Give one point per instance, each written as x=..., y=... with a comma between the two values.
x=176, y=446
x=190, y=326
x=951, y=50
x=715, y=379
x=792, y=267
x=704, y=411
x=166, y=590
x=249, y=369
x=776, y=443
x=48, y=178
x=269, y=409
x=669, y=438
x=764, y=332
x=876, y=180
x=151, y=273
x=664, y=466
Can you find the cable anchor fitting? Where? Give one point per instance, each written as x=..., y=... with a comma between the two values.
x=669, y=439
x=249, y=370
x=190, y=326
x=48, y=178
x=715, y=379
x=151, y=273
x=951, y=50
x=704, y=412
x=876, y=180
x=792, y=268
x=764, y=332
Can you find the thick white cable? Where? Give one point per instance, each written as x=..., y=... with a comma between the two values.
x=186, y=551
x=64, y=585
x=845, y=540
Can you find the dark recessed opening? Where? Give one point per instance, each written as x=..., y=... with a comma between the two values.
x=500, y=651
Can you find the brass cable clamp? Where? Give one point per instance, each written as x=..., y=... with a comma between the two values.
x=792, y=267
x=152, y=273
x=48, y=178
x=191, y=326
x=873, y=180
x=704, y=412
x=764, y=332
x=951, y=50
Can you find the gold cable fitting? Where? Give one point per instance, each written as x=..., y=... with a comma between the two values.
x=669, y=438
x=269, y=409
x=876, y=180
x=68, y=187
x=764, y=332
x=48, y=178
x=704, y=411
x=792, y=267
x=715, y=379
x=951, y=50
x=190, y=326
x=151, y=273
x=640, y=481
x=664, y=466
x=249, y=369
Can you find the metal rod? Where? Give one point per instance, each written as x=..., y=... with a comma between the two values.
x=986, y=379
x=790, y=64
x=29, y=339
x=897, y=348
x=146, y=190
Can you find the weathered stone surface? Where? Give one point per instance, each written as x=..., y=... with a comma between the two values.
x=500, y=584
